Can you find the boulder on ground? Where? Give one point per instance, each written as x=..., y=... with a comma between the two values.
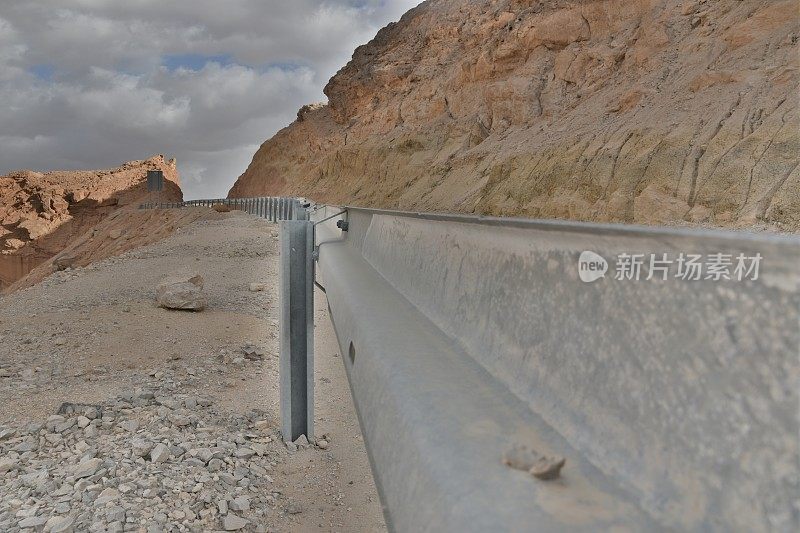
x=185, y=295
x=221, y=208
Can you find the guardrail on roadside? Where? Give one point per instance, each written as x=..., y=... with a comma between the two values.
x=273, y=208
x=663, y=364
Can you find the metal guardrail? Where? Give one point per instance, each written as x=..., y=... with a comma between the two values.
x=273, y=208
x=663, y=364
x=672, y=392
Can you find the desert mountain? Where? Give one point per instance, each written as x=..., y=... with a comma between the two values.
x=43, y=213
x=646, y=111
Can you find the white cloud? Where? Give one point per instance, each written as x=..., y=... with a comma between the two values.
x=84, y=82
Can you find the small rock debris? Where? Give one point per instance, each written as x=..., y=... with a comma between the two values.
x=540, y=466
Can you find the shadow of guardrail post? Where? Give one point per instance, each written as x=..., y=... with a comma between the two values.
x=297, y=329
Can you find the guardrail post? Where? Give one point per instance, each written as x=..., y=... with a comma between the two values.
x=301, y=213
x=297, y=329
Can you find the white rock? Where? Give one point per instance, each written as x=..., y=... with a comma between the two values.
x=87, y=468
x=32, y=521
x=8, y=464
x=204, y=454
x=240, y=503
x=108, y=495
x=115, y=514
x=60, y=524
x=65, y=425
x=244, y=453
x=258, y=287
x=159, y=454
x=231, y=522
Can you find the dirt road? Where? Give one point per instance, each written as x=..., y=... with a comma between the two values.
x=95, y=338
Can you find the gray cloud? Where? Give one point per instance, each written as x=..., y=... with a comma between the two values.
x=93, y=83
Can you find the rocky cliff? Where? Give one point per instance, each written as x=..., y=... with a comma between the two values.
x=43, y=213
x=646, y=111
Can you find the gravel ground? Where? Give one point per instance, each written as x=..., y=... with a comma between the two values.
x=121, y=416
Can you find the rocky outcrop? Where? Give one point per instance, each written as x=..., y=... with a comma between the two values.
x=647, y=111
x=42, y=213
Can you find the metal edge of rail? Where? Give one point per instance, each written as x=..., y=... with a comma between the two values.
x=592, y=228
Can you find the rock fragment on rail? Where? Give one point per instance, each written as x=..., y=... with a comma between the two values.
x=538, y=465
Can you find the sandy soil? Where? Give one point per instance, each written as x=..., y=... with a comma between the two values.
x=90, y=334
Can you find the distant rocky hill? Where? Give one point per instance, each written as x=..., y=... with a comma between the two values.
x=646, y=111
x=43, y=213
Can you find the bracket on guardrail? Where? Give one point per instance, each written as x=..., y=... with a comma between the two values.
x=297, y=329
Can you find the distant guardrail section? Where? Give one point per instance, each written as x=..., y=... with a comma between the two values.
x=273, y=208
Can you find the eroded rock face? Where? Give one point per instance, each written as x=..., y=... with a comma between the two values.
x=651, y=111
x=42, y=213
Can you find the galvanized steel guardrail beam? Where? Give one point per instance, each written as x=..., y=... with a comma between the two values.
x=674, y=401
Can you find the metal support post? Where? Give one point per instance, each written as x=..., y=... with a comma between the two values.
x=297, y=329
x=301, y=213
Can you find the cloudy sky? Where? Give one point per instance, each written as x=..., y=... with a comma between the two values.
x=93, y=83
